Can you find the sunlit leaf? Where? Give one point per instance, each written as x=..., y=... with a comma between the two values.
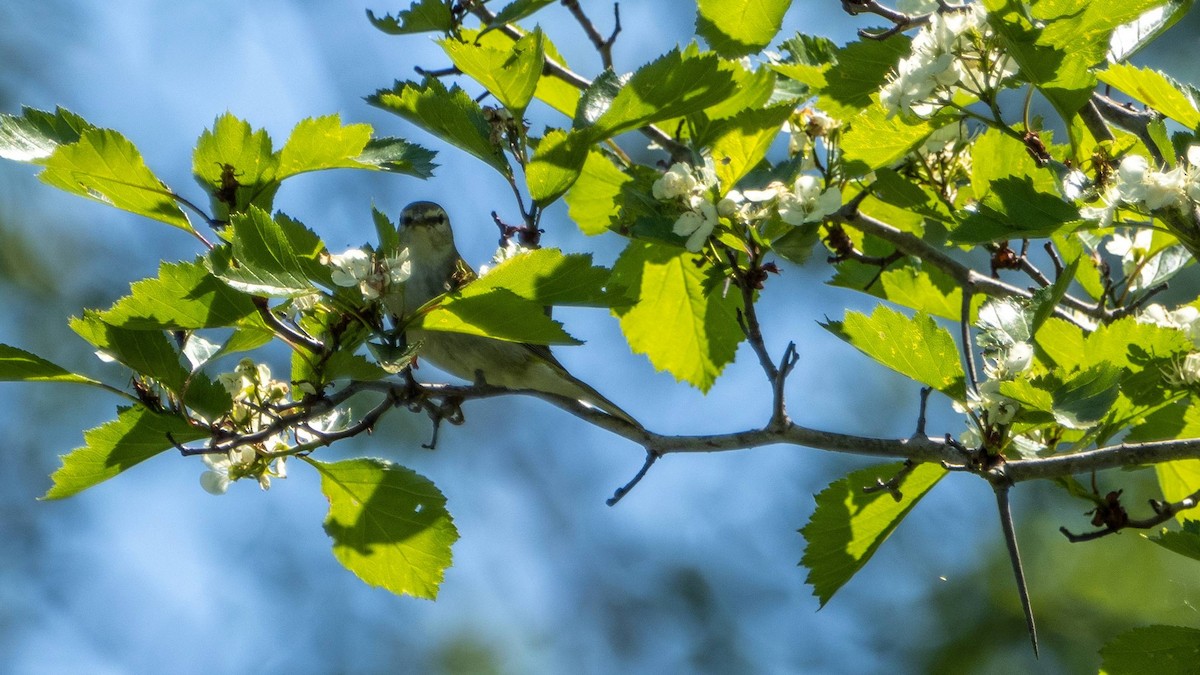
x=135, y=436
x=850, y=524
x=916, y=347
x=389, y=524
x=592, y=200
x=271, y=256
x=1176, y=101
x=34, y=135
x=185, y=295
x=496, y=313
x=18, y=365
x=1152, y=650
x=449, y=114
x=103, y=165
x=555, y=165
x=673, y=85
x=511, y=75
x=549, y=277
x=421, y=17
x=683, y=327
x=739, y=27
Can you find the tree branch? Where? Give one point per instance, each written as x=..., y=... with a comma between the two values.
x=967, y=278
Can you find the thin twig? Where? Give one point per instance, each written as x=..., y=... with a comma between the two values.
x=651, y=458
x=603, y=45
x=1014, y=556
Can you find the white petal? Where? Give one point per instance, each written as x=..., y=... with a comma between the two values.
x=214, y=483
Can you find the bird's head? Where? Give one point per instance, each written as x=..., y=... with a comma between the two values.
x=425, y=226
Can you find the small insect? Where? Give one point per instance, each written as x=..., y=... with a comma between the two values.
x=227, y=193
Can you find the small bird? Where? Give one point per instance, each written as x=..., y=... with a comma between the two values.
x=438, y=268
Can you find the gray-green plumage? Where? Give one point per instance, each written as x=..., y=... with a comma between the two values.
x=437, y=268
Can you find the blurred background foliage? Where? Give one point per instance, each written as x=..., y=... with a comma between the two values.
x=693, y=572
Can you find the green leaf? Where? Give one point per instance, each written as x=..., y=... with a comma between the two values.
x=497, y=313
x=858, y=71
x=873, y=141
x=35, y=135
x=421, y=17
x=548, y=277
x=511, y=75
x=1185, y=542
x=271, y=256
x=555, y=165
x=1070, y=38
x=678, y=320
x=235, y=164
x=1152, y=650
x=18, y=365
x=1122, y=342
x=554, y=92
x=451, y=115
x=184, y=296
x=515, y=11
x=1177, y=480
x=996, y=156
x=1179, y=102
x=925, y=289
x=849, y=524
x=738, y=27
x=1129, y=38
x=322, y=143
x=103, y=165
x=1084, y=400
x=811, y=50
x=396, y=155
x=136, y=435
x=592, y=200
x=389, y=524
x=387, y=231
x=1014, y=208
x=917, y=348
x=743, y=140
x=673, y=85
x=148, y=352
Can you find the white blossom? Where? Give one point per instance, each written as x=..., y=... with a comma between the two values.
x=1132, y=250
x=697, y=223
x=1141, y=185
x=223, y=468
x=945, y=55
x=351, y=267
x=808, y=202
x=1017, y=358
x=730, y=204
x=678, y=181
x=1185, y=318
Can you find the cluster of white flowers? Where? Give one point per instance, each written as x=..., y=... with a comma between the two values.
x=949, y=53
x=804, y=201
x=1007, y=352
x=254, y=394
x=1139, y=184
x=1185, y=371
x=681, y=183
x=375, y=275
